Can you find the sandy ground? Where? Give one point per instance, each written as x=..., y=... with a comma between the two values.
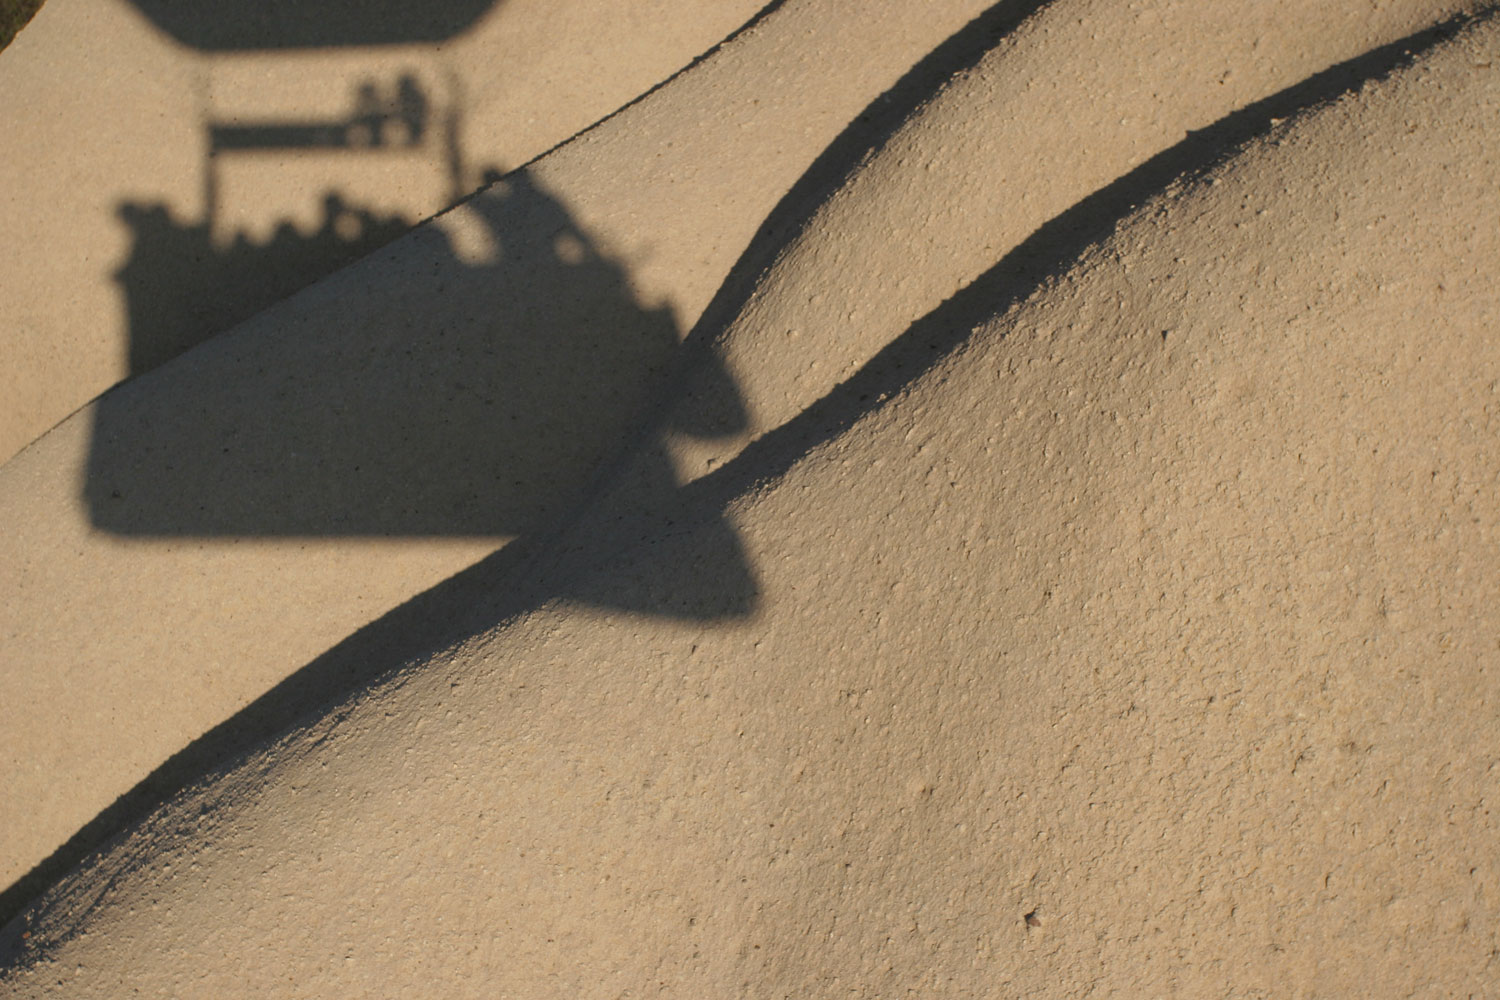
x=933, y=499
x=555, y=314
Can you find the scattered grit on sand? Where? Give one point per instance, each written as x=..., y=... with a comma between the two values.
x=1061, y=561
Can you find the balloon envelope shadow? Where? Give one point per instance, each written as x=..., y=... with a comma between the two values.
x=237, y=25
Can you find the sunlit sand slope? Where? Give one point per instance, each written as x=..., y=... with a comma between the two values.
x=1126, y=627
x=1083, y=94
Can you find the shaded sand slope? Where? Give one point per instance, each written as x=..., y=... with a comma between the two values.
x=119, y=260
x=1130, y=638
x=250, y=505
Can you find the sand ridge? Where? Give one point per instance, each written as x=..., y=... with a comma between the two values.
x=1121, y=626
x=1077, y=95
x=254, y=538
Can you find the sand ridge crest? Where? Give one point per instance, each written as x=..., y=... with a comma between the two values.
x=1119, y=625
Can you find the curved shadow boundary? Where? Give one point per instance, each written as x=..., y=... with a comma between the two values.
x=1049, y=251
x=868, y=132
x=478, y=597
x=15, y=15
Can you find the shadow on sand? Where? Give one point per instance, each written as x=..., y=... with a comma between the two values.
x=680, y=528
x=180, y=288
x=476, y=381
x=472, y=393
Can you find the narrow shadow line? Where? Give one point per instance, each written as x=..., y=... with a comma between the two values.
x=1047, y=252
x=867, y=132
x=488, y=590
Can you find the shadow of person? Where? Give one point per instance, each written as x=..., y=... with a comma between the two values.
x=425, y=393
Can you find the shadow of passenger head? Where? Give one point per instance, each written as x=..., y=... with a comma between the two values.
x=238, y=25
x=470, y=381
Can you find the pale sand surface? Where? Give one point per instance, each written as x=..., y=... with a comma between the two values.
x=1061, y=564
